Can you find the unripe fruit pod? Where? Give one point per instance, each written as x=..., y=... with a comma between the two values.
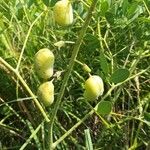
x=94, y=87
x=45, y=93
x=86, y=68
x=44, y=61
x=63, y=13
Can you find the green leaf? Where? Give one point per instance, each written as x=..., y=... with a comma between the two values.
x=104, y=7
x=4, y=110
x=89, y=1
x=53, y=2
x=31, y=2
x=120, y=75
x=104, y=108
x=88, y=141
x=92, y=41
x=49, y=2
x=132, y=10
x=147, y=116
x=125, y=5
x=46, y=2
x=103, y=63
x=109, y=17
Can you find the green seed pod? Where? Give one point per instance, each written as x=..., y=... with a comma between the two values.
x=44, y=61
x=63, y=13
x=45, y=93
x=86, y=68
x=94, y=87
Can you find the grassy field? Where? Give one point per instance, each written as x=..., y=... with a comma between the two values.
x=112, y=37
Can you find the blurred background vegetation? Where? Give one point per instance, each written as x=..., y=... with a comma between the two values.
x=118, y=37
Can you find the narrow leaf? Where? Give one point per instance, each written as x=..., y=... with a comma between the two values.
x=88, y=140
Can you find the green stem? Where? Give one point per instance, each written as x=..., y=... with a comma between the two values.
x=67, y=74
x=80, y=63
x=33, y=135
x=25, y=86
x=26, y=39
x=72, y=129
x=146, y=7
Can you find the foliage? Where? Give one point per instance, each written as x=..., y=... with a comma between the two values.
x=116, y=46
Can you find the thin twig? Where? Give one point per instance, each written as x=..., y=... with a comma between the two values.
x=26, y=39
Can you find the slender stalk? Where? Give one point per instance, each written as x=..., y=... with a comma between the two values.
x=146, y=7
x=25, y=86
x=26, y=39
x=72, y=129
x=67, y=74
x=33, y=135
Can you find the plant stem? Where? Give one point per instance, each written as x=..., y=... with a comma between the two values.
x=33, y=135
x=26, y=39
x=146, y=7
x=67, y=74
x=72, y=129
x=25, y=86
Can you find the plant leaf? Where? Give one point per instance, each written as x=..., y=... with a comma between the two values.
x=88, y=141
x=104, y=64
x=104, y=108
x=120, y=75
x=104, y=7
